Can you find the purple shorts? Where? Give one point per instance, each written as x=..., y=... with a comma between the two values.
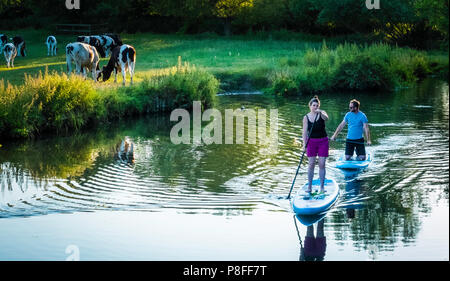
x=318, y=147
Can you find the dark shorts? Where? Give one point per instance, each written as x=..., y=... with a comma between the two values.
x=351, y=145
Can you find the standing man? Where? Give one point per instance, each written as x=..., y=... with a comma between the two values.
x=357, y=124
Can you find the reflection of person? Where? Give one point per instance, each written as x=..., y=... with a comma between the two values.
x=315, y=246
x=314, y=122
x=357, y=124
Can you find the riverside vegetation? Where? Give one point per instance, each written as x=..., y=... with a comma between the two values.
x=32, y=103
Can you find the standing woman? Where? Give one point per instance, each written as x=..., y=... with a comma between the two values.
x=314, y=123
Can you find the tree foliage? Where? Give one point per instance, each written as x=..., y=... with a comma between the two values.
x=401, y=20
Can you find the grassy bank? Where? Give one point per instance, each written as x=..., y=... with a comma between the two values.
x=353, y=67
x=248, y=62
x=31, y=104
x=57, y=103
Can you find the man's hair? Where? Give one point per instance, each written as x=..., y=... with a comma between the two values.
x=355, y=103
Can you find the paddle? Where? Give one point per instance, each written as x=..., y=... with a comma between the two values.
x=301, y=159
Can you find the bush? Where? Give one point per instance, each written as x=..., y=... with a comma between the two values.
x=362, y=73
x=46, y=102
x=353, y=67
x=57, y=103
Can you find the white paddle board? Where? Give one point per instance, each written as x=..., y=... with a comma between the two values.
x=315, y=203
x=353, y=164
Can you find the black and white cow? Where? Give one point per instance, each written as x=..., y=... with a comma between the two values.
x=3, y=41
x=104, y=42
x=123, y=58
x=116, y=38
x=93, y=41
x=19, y=42
x=108, y=43
x=10, y=52
x=52, y=45
x=84, y=56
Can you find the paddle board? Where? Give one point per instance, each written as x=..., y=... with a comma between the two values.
x=353, y=164
x=305, y=204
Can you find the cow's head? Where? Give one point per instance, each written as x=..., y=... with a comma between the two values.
x=105, y=74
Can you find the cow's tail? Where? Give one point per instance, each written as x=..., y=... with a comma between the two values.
x=132, y=54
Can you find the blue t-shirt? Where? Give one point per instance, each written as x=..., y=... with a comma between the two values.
x=355, y=124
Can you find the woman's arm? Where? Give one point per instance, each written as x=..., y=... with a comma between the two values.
x=324, y=115
x=305, y=130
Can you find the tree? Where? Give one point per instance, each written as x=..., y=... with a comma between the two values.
x=435, y=13
x=354, y=16
x=229, y=9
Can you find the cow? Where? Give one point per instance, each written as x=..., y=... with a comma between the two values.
x=123, y=58
x=10, y=52
x=19, y=42
x=93, y=41
x=3, y=41
x=116, y=38
x=108, y=43
x=52, y=45
x=84, y=56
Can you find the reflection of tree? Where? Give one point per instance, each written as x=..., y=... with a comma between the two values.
x=389, y=215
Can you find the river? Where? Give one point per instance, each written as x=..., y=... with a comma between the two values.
x=227, y=201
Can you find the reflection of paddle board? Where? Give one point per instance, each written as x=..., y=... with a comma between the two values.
x=353, y=164
x=305, y=204
x=308, y=220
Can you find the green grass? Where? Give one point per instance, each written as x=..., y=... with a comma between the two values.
x=218, y=55
x=32, y=103
x=238, y=61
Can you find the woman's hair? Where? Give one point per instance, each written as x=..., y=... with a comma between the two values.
x=314, y=99
x=355, y=103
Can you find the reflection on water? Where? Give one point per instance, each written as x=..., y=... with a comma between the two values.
x=381, y=206
x=313, y=246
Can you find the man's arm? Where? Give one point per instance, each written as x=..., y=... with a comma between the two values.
x=338, y=130
x=367, y=133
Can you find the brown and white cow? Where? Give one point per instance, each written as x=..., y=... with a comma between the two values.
x=10, y=52
x=52, y=45
x=123, y=58
x=84, y=56
x=19, y=42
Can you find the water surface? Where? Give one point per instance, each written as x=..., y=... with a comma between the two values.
x=226, y=202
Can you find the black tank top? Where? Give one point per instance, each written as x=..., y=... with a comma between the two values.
x=318, y=130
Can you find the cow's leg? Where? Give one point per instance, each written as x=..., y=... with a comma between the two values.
x=19, y=49
x=131, y=69
x=115, y=74
x=124, y=73
x=78, y=69
x=94, y=72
